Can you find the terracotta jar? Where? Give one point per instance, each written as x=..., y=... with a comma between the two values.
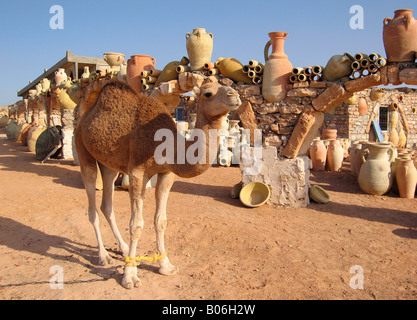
x=278, y=69
x=335, y=154
x=400, y=36
x=328, y=134
x=199, y=48
x=60, y=76
x=337, y=67
x=135, y=65
x=394, y=166
x=362, y=106
x=375, y=175
x=169, y=72
x=353, y=149
x=232, y=69
x=406, y=176
x=318, y=155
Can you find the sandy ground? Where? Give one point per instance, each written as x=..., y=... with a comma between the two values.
x=223, y=249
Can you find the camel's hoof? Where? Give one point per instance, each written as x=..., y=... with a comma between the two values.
x=168, y=270
x=130, y=278
x=104, y=260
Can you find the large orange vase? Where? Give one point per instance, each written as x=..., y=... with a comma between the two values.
x=135, y=65
x=277, y=69
x=400, y=36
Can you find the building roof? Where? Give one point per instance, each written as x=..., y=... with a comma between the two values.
x=67, y=63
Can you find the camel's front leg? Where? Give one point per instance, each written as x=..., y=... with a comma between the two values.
x=163, y=187
x=137, y=188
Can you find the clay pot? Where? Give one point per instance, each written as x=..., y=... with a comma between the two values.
x=362, y=106
x=11, y=130
x=4, y=121
x=232, y=69
x=376, y=94
x=24, y=135
x=319, y=195
x=335, y=155
x=114, y=59
x=359, y=156
x=135, y=65
x=393, y=136
x=402, y=139
x=278, y=69
x=328, y=134
x=86, y=73
x=199, y=48
x=337, y=67
x=318, y=155
x=400, y=36
x=406, y=177
x=352, y=156
x=375, y=175
x=60, y=76
x=394, y=166
x=234, y=129
x=169, y=72
x=33, y=135
x=64, y=100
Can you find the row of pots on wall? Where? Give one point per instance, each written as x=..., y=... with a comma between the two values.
x=399, y=36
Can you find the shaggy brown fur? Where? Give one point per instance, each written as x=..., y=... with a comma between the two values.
x=118, y=132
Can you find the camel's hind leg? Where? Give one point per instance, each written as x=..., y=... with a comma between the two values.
x=88, y=168
x=163, y=187
x=109, y=177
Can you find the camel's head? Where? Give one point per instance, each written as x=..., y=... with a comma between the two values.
x=216, y=100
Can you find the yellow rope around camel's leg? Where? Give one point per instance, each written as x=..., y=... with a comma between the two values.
x=134, y=262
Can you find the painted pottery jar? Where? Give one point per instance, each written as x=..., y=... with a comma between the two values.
x=199, y=46
x=233, y=69
x=318, y=155
x=60, y=76
x=375, y=176
x=337, y=67
x=400, y=36
x=362, y=106
x=278, y=68
x=335, y=153
x=135, y=65
x=406, y=177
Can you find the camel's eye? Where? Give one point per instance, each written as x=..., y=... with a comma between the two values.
x=208, y=94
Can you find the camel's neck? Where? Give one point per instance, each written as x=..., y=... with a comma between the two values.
x=196, y=156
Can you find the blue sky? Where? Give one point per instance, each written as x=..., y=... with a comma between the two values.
x=317, y=30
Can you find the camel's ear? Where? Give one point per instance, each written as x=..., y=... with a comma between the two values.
x=195, y=92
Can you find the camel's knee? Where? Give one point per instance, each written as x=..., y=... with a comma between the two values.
x=136, y=229
x=161, y=224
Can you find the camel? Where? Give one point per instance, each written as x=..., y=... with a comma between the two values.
x=118, y=132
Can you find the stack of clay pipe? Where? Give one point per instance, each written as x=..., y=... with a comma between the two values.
x=255, y=70
x=211, y=69
x=149, y=78
x=306, y=74
x=364, y=64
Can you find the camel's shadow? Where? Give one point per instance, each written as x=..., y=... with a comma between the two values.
x=20, y=238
